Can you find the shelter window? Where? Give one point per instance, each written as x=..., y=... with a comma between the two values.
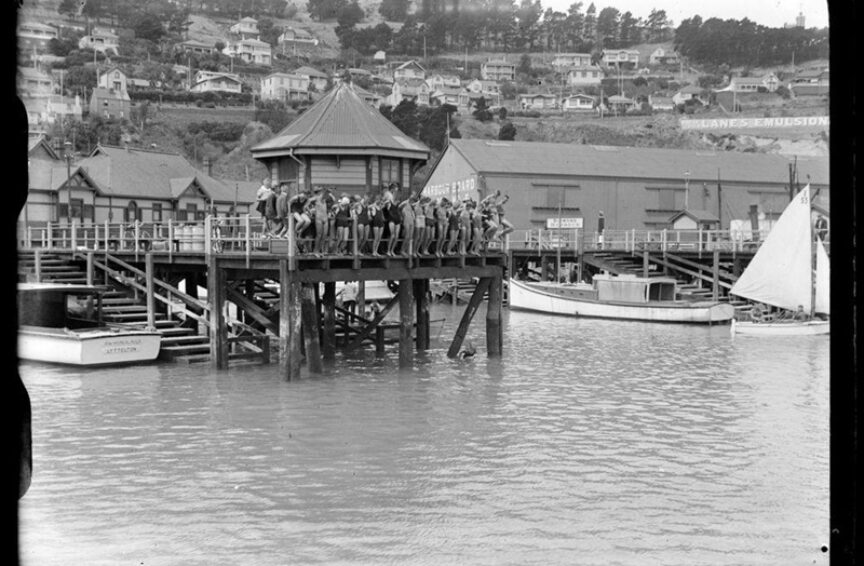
x=390, y=171
x=131, y=212
x=77, y=208
x=157, y=212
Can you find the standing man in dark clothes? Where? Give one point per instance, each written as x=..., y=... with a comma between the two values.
x=601, y=227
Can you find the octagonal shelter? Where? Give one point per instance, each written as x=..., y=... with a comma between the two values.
x=341, y=142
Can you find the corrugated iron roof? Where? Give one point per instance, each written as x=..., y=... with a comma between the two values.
x=135, y=172
x=341, y=119
x=537, y=158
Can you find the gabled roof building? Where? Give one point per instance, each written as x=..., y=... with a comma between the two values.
x=636, y=187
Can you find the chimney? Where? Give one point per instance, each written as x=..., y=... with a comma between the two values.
x=208, y=163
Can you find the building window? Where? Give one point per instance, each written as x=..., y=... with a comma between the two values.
x=192, y=211
x=390, y=169
x=131, y=213
x=157, y=212
x=77, y=209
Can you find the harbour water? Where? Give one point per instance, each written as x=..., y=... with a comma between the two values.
x=589, y=442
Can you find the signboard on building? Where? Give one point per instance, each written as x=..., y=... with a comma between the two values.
x=744, y=123
x=566, y=223
x=454, y=190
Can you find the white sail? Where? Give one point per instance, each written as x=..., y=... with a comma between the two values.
x=780, y=274
x=823, y=280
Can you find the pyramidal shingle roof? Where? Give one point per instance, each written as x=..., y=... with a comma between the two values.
x=341, y=122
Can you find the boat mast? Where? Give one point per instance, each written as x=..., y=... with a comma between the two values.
x=813, y=244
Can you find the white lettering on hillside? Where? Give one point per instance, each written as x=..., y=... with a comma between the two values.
x=733, y=123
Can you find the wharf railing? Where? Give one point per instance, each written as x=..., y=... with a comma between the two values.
x=247, y=236
x=636, y=240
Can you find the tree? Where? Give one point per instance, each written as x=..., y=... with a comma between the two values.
x=267, y=31
x=68, y=8
x=394, y=10
x=481, y=110
x=524, y=66
x=657, y=25
x=607, y=27
x=507, y=131
x=148, y=26
x=79, y=78
x=404, y=117
x=325, y=9
x=349, y=15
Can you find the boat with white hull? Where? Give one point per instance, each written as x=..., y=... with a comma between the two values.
x=783, y=274
x=622, y=297
x=62, y=324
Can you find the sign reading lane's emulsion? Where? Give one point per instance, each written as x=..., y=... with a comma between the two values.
x=454, y=190
x=779, y=122
x=575, y=222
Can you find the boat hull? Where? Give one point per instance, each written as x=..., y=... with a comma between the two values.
x=522, y=296
x=91, y=347
x=809, y=328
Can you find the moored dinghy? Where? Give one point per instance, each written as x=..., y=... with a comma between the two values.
x=782, y=274
x=624, y=297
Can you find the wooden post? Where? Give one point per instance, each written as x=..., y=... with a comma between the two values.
x=37, y=259
x=107, y=232
x=328, y=347
x=310, y=328
x=645, y=263
x=421, y=300
x=90, y=270
x=406, y=319
x=290, y=321
x=473, y=303
x=148, y=274
x=170, y=240
x=208, y=244
x=580, y=252
x=248, y=240
x=361, y=298
x=493, y=318
x=715, y=286
x=379, y=341
x=50, y=236
x=216, y=297
x=292, y=244
x=136, y=234
x=74, y=235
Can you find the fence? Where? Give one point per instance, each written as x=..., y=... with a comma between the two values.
x=247, y=236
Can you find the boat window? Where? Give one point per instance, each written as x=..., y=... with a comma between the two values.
x=625, y=290
x=664, y=291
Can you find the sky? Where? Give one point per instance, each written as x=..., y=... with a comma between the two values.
x=771, y=13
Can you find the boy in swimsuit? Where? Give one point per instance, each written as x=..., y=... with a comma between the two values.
x=406, y=207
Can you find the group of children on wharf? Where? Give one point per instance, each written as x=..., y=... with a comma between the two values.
x=388, y=224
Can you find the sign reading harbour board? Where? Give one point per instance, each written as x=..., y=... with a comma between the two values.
x=454, y=190
x=779, y=122
x=565, y=223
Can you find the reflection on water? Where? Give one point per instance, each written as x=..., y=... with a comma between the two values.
x=590, y=442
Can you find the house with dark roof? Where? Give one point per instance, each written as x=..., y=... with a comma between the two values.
x=498, y=71
x=124, y=184
x=194, y=46
x=694, y=219
x=342, y=142
x=636, y=187
x=578, y=103
x=409, y=70
x=317, y=79
x=537, y=101
x=687, y=93
x=110, y=104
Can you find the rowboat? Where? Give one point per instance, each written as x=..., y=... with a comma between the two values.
x=62, y=324
x=791, y=269
x=623, y=297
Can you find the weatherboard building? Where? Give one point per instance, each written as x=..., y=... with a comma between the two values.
x=635, y=187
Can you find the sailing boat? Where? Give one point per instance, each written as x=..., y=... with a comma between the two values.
x=781, y=274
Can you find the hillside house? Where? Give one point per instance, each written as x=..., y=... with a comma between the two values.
x=768, y=82
x=372, y=99
x=293, y=38
x=317, y=79
x=409, y=70
x=445, y=95
x=565, y=60
x=584, y=76
x=197, y=47
x=246, y=28
x=102, y=41
x=379, y=57
x=661, y=103
x=251, y=51
x=33, y=82
x=468, y=100
x=340, y=141
x=110, y=104
x=114, y=79
x=210, y=81
x=687, y=93
x=578, y=103
x=537, y=101
x=811, y=82
x=286, y=87
x=621, y=58
x=618, y=104
x=439, y=80
x=34, y=36
x=662, y=56
x=415, y=90
x=498, y=71
x=45, y=111
x=490, y=90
